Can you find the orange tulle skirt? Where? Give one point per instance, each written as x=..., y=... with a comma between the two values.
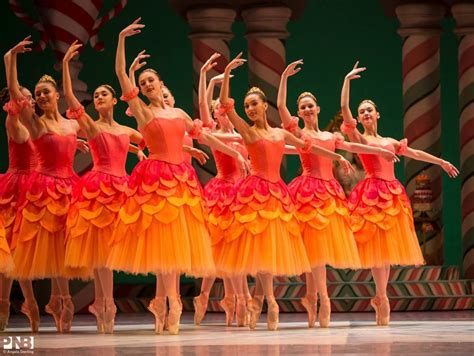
x=161, y=227
x=6, y=260
x=261, y=231
x=40, y=227
x=11, y=184
x=382, y=221
x=216, y=193
x=321, y=210
x=97, y=199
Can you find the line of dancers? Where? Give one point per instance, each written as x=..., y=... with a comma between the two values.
x=160, y=220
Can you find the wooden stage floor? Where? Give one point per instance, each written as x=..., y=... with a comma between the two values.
x=420, y=333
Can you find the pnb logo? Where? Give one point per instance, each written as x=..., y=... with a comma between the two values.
x=18, y=343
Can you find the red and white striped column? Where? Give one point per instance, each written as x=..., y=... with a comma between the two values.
x=463, y=13
x=420, y=30
x=266, y=32
x=210, y=32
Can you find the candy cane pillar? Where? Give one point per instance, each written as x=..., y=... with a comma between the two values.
x=210, y=33
x=463, y=13
x=266, y=32
x=420, y=30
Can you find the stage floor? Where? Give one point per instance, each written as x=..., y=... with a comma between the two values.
x=433, y=333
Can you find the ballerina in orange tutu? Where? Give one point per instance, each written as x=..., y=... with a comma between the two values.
x=321, y=206
x=261, y=231
x=22, y=161
x=216, y=192
x=40, y=226
x=381, y=214
x=98, y=195
x=161, y=227
x=148, y=76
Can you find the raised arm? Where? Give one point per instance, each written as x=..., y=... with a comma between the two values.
x=204, y=112
x=75, y=108
x=129, y=92
x=23, y=103
x=285, y=114
x=227, y=105
x=210, y=88
x=15, y=129
x=349, y=122
x=307, y=146
x=12, y=75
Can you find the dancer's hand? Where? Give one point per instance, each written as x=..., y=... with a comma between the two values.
x=136, y=64
x=22, y=46
x=449, y=168
x=141, y=155
x=218, y=79
x=346, y=166
x=199, y=155
x=72, y=51
x=210, y=63
x=354, y=73
x=292, y=68
x=235, y=63
x=243, y=164
x=82, y=146
x=132, y=29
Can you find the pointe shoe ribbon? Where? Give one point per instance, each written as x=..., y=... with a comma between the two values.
x=97, y=309
x=309, y=303
x=174, y=315
x=67, y=314
x=157, y=307
x=31, y=310
x=109, y=315
x=54, y=308
x=200, y=308
x=228, y=304
x=324, y=312
x=4, y=313
x=255, y=309
x=272, y=314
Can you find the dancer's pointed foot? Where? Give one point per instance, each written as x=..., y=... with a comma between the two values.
x=200, y=307
x=272, y=313
x=174, y=315
x=309, y=303
x=67, y=314
x=228, y=304
x=255, y=309
x=54, y=308
x=158, y=307
x=242, y=311
x=109, y=315
x=31, y=310
x=4, y=313
x=324, y=312
x=97, y=309
x=374, y=304
x=384, y=312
